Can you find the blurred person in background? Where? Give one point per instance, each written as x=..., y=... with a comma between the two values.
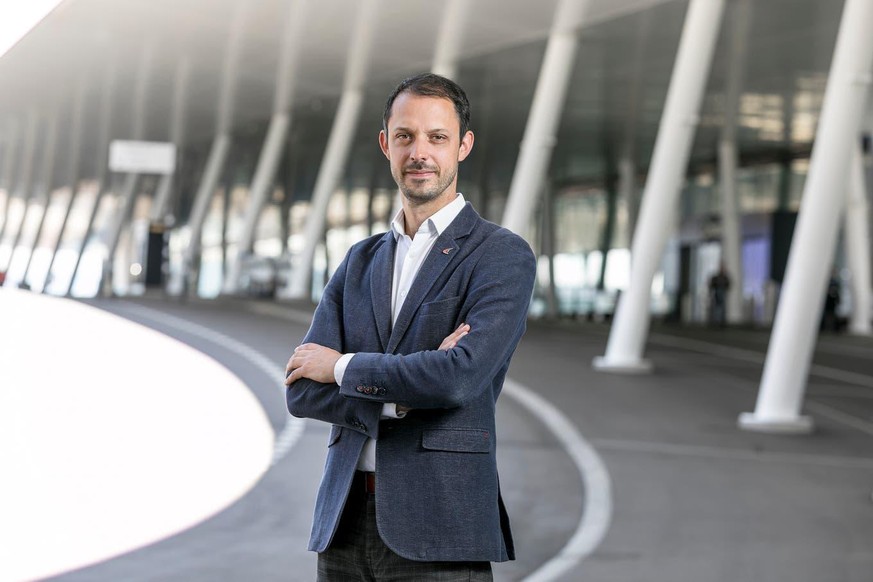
x=719, y=285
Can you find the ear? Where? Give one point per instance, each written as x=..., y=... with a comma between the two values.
x=383, y=143
x=466, y=146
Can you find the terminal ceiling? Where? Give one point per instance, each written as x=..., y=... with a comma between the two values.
x=616, y=94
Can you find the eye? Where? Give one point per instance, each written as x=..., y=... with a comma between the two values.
x=401, y=136
x=438, y=137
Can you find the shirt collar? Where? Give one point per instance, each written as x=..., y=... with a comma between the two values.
x=437, y=222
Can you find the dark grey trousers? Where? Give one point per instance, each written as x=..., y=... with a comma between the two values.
x=357, y=553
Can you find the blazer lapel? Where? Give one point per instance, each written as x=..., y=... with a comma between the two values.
x=445, y=250
x=380, y=286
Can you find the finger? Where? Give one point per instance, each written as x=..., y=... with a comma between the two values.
x=452, y=340
x=461, y=329
x=293, y=377
x=296, y=361
x=458, y=335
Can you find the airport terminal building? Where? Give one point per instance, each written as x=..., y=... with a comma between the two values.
x=226, y=150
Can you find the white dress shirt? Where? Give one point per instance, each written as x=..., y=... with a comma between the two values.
x=408, y=258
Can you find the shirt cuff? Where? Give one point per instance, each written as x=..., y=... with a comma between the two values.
x=389, y=410
x=339, y=369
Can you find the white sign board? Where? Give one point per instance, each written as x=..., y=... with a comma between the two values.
x=142, y=157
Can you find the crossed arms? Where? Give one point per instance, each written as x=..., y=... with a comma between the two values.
x=493, y=307
x=318, y=362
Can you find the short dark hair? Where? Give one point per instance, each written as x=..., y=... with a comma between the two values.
x=431, y=85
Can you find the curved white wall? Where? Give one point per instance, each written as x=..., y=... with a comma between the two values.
x=112, y=436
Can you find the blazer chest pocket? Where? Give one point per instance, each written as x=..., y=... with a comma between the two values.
x=458, y=440
x=435, y=321
x=441, y=307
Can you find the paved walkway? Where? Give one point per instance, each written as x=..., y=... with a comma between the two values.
x=688, y=496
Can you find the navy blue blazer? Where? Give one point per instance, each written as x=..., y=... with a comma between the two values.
x=437, y=491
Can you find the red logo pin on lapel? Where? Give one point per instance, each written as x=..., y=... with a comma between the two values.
x=447, y=251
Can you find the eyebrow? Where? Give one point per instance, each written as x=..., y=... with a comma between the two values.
x=408, y=130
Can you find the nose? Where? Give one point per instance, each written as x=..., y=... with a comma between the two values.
x=418, y=151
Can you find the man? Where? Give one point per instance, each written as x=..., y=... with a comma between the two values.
x=719, y=285
x=406, y=357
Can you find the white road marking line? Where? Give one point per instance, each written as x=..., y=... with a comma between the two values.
x=840, y=416
x=293, y=429
x=745, y=355
x=706, y=452
x=719, y=350
x=597, y=512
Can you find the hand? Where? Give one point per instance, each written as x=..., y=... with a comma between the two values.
x=453, y=338
x=312, y=361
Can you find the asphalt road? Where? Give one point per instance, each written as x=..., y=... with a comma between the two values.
x=692, y=498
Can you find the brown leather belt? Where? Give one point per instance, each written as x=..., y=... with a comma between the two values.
x=365, y=480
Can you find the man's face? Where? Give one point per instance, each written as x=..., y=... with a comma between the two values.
x=424, y=147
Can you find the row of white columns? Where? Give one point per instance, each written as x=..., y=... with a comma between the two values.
x=783, y=382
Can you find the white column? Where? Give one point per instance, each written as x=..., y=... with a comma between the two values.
x=792, y=341
x=107, y=100
x=627, y=167
x=72, y=177
x=177, y=136
x=449, y=38
x=268, y=162
x=25, y=179
x=208, y=182
x=341, y=135
x=731, y=225
x=857, y=228
x=128, y=190
x=43, y=197
x=545, y=113
x=731, y=228
x=547, y=245
x=262, y=186
x=627, y=336
x=627, y=191
x=10, y=156
x=219, y=149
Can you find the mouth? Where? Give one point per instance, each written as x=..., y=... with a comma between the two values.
x=419, y=173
